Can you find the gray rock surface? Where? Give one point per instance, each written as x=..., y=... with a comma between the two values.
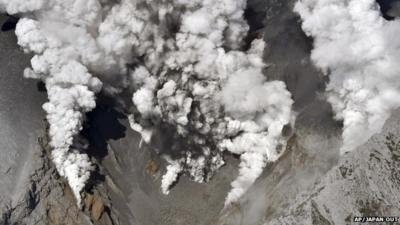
x=47, y=199
x=20, y=120
x=365, y=183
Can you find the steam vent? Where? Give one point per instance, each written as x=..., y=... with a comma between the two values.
x=199, y=112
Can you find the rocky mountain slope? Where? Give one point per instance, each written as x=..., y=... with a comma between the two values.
x=365, y=183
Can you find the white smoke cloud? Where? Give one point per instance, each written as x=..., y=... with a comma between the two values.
x=359, y=50
x=62, y=64
x=20, y=6
x=187, y=71
x=170, y=177
x=207, y=87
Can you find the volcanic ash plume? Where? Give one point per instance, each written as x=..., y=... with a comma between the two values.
x=57, y=32
x=360, y=52
x=213, y=93
x=186, y=67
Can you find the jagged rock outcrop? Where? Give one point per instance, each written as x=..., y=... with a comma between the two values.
x=48, y=200
x=365, y=183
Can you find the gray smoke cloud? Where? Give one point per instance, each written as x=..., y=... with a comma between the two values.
x=213, y=93
x=359, y=50
x=183, y=62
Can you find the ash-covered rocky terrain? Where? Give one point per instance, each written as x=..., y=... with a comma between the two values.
x=364, y=183
x=311, y=183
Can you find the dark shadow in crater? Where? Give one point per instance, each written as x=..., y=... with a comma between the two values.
x=386, y=6
x=41, y=86
x=9, y=24
x=103, y=124
x=254, y=18
x=254, y=14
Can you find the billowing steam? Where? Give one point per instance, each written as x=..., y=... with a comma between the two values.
x=360, y=51
x=185, y=64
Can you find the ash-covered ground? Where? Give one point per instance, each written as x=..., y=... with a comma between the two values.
x=125, y=189
x=21, y=119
